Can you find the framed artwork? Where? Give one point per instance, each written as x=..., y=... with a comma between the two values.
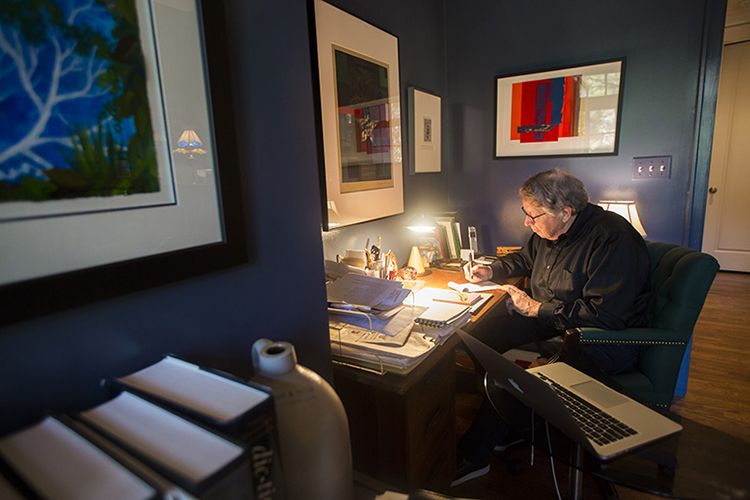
x=424, y=124
x=360, y=117
x=565, y=111
x=117, y=154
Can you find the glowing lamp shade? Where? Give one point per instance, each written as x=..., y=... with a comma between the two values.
x=628, y=210
x=422, y=224
x=189, y=144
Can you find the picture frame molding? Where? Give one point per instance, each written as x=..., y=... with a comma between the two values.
x=330, y=196
x=414, y=167
x=42, y=295
x=622, y=60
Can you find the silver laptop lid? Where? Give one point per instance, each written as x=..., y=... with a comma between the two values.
x=539, y=396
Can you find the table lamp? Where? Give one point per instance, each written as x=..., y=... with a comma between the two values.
x=189, y=144
x=421, y=224
x=627, y=209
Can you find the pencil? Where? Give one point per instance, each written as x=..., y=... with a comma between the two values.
x=459, y=302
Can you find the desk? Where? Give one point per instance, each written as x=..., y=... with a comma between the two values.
x=403, y=426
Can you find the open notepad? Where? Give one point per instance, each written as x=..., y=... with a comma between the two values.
x=440, y=314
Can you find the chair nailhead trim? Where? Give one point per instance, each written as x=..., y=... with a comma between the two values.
x=638, y=342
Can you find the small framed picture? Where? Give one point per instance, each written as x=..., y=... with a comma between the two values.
x=424, y=124
x=565, y=111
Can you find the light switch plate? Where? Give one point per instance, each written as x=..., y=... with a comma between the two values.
x=652, y=167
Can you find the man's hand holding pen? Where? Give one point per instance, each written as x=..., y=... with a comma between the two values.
x=474, y=273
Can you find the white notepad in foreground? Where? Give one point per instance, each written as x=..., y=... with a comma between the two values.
x=59, y=463
x=173, y=442
x=189, y=386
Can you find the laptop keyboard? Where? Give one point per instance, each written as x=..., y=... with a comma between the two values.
x=597, y=425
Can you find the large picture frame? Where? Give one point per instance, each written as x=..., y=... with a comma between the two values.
x=360, y=142
x=566, y=111
x=54, y=262
x=425, y=130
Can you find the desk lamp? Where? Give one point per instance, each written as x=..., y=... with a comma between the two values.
x=421, y=224
x=189, y=144
x=628, y=210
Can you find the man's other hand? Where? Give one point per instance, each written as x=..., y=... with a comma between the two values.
x=520, y=302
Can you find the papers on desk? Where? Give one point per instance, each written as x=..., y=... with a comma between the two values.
x=389, y=328
x=371, y=323
x=383, y=357
x=366, y=292
x=441, y=314
x=482, y=286
x=427, y=297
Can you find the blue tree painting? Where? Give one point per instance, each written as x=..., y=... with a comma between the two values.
x=74, y=109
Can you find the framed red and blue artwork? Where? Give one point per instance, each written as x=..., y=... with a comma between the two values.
x=560, y=112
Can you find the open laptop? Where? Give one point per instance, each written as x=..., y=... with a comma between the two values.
x=603, y=421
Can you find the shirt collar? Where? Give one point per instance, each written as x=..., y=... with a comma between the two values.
x=579, y=222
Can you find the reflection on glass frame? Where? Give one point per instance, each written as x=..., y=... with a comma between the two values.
x=360, y=118
x=53, y=262
x=425, y=129
x=566, y=111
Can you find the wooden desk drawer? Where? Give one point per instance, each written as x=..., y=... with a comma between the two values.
x=430, y=410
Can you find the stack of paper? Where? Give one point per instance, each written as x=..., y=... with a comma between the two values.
x=386, y=328
x=383, y=357
x=366, y=292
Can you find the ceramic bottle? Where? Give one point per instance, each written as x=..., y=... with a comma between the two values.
x=312, y=425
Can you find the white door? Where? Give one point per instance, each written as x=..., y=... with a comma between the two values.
x=726, y=234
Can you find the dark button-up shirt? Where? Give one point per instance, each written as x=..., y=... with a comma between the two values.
x=593, y=275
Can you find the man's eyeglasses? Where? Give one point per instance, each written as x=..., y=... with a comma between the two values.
x=532, y=217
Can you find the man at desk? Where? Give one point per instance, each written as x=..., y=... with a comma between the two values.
x=586, y=267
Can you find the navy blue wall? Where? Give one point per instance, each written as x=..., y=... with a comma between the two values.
x=57, y=361
x=662, y=44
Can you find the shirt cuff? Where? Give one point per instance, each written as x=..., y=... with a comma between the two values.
x=547, y=311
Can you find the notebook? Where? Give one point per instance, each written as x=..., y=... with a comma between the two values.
x=440, y=314
x=545, y=389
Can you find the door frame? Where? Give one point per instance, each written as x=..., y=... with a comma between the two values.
x=712, y=45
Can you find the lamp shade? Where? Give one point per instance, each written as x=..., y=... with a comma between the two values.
x=189, y=144
x=422, y=224
x=628, y=210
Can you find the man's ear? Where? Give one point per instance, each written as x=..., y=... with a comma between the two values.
x=567, y=214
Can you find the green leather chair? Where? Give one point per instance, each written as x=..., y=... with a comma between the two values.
x=679, y=282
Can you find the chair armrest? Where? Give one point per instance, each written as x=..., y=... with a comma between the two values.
x=633, y=336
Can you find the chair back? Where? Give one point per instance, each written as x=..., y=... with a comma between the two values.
x=679, y=282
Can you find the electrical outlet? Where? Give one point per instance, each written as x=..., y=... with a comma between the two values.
x=652, y=167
